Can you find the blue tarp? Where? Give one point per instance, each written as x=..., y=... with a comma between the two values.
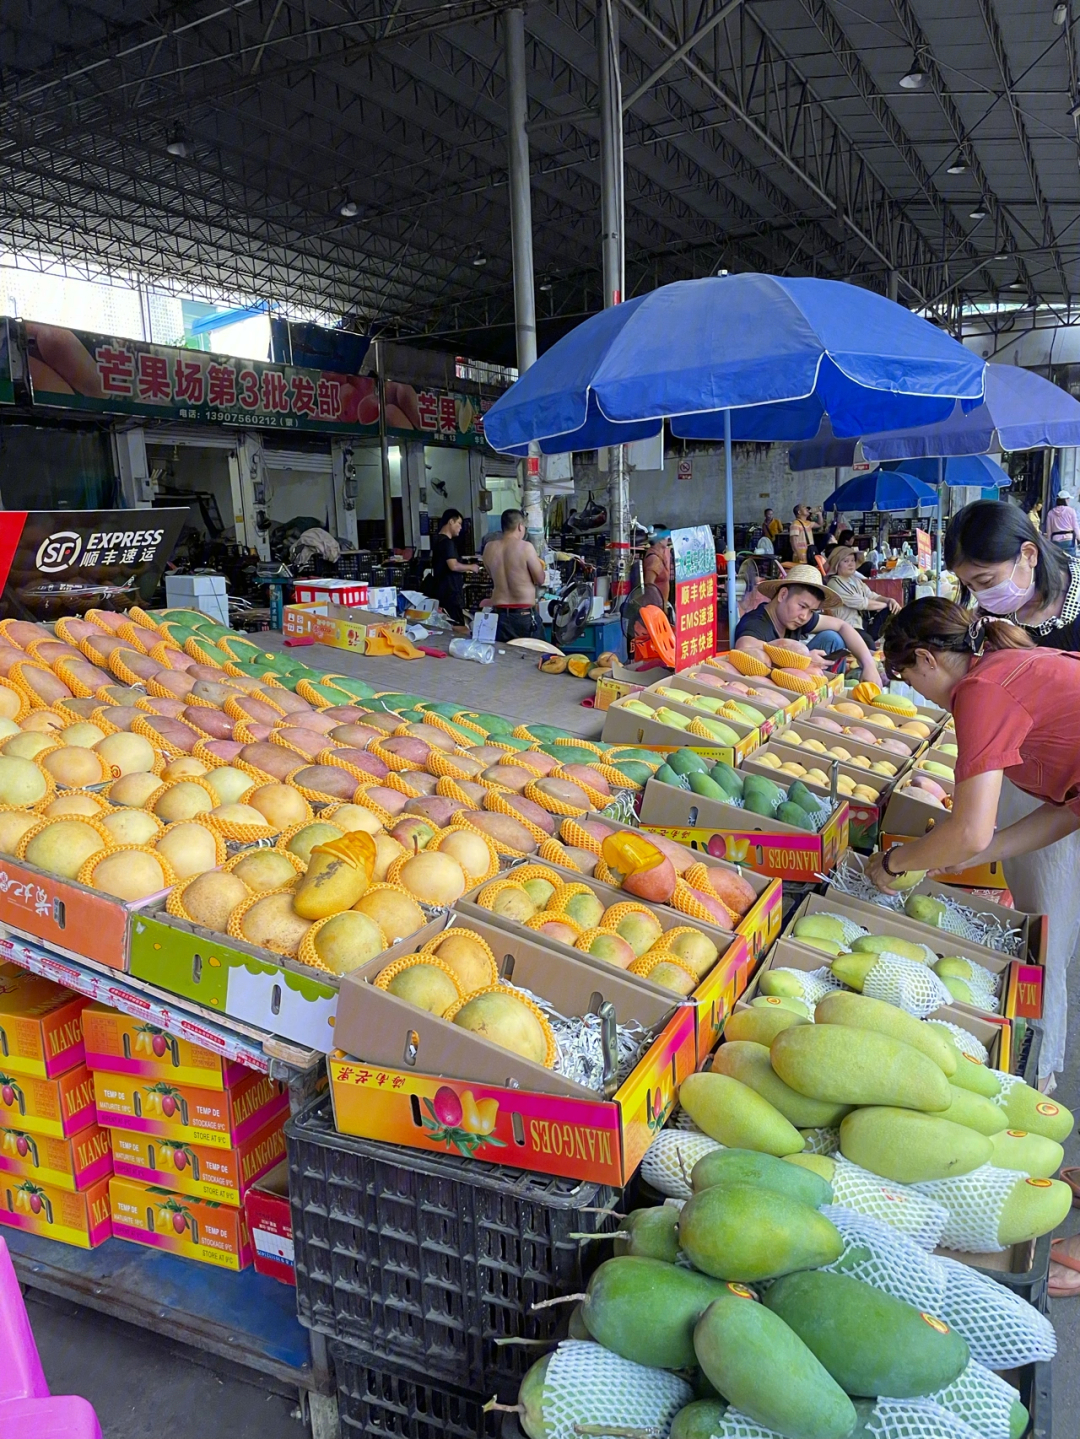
x=778, y=353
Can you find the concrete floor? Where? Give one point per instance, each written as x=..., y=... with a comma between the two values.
x=145, y=1388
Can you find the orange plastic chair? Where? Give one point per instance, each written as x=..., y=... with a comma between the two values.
x=660, y=643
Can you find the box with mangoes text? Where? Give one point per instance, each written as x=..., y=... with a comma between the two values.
x=182, y=1114
x=41, y=1031
x=124, y=1045
x=78, y=1217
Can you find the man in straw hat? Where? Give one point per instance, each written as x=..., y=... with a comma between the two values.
x=799, y=607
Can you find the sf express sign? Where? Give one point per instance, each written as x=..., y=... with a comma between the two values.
x=68, y=549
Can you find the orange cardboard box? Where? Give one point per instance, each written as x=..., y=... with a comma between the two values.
x=40, y=1027
x=123, y=1045
x=58, y=1107
x=193, y=1228
x=79, y=1217
x=181, y=1114
x=208, y=1173
x=74, y=1163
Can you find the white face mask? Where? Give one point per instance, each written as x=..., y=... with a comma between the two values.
x=1007, y=597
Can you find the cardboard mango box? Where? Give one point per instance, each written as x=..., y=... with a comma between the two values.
x=724, y=831
x=624, y=681
x=77, y=1217
x=74, y=1163
x=623, y=726
x=831, y=684
x=933, y=718
x=181, y=1114
x=349, y=629
x=908, y=816
x=196, y=1169
x=771, y=703
x=193, y=1228
x=65, y=916
x=269, y=1218
x=40, y=1024
x=712, y=998
x=57, y=1107
x=230, y=976
x=804, y=730
x=995, y=1032
x=123, y=1045
x=883, y=921
x=426, y=1083
x=864, y=818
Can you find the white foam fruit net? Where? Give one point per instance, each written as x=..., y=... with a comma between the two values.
x=735, y=1425
x=588, y=1385
x=1007, y=1082
x=965, y=1041
x=981, y=1399
x=671, y=1157
x=821, y=1141
x=881, y=1256
x=1003, y=1331
x=681, y=1120
x=916, y=1419
x=911, y=986
x=814, y=984
x=919, y=1216
x=975, y=1203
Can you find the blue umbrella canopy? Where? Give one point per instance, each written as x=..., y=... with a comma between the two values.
x=979, y=471
x=882, y=490
x=1021, y=411
x=775, y=354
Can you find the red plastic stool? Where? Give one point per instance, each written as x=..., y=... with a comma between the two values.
x=21, y=1374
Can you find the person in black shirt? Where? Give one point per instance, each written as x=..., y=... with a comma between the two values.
x=447, y=568
x=792, y=612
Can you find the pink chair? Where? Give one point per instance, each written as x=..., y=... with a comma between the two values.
x=27, y=1410
x=21, y=1374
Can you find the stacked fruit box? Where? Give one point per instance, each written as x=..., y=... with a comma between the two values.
x=55, y=1161
x=190, y=1133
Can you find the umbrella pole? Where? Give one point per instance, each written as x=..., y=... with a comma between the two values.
x=729, y=542
x=937, y=554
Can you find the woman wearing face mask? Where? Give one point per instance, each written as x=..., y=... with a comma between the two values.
x=1012, y=571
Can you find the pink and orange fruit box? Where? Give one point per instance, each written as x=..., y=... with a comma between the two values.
x=123, y=1045
x=79, y=1217
x=207, y=1173
x=180, y=1113
x=180, y=1223
x=74, y=1163
x=40, y=1024
x=57, y=1107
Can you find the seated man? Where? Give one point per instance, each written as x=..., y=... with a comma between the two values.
x=793, y=610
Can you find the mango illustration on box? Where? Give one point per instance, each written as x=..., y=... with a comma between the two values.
x=11, y=1094
x=461, y=1120
x=30, y=1198
x=163, y=1100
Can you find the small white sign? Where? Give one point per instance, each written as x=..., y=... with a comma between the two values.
x=485, y=623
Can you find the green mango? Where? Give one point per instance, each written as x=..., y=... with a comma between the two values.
x=826, y=946
x=760, y=1026
x=575, y=1327
x=976, y=1112
x=735, y=1115
x=790, y=1002
x=755, y=802
x=962, y=992
x=818, y=926
x=859, y=1011
x=666, y=775
x=744, y=1233
x=852, y=969
x=1026, y=1108
x=699, y=1420
x=541, y=733
x=763, y=1369
x=568, y=754
x=1031, y=1154
x=891, y=944
x=746, y=1166
x=650, y=1233
x=357, y=688
x=909, y=1147
x=1033, y=1207
x=749, y=1062
x=645, y=1310
x=796, y=816
x=871, y=1343
x=800, y=795
x=781, y=981
x=819, y=1164
x=759, y=784
x=728, y=779
x=635, y=770
x=706, y=788
x=858, y=1066
x=686, y=761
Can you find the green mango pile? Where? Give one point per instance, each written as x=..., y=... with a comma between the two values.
x=796, y=806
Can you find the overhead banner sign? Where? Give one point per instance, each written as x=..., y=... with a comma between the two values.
x=74, y=369
x=695, y=594
x=65, y=561
x=7, y=389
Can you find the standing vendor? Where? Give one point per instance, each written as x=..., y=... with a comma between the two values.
x=448, y=569
x=801, y=534
x=799, y=607
x=1010, y=570
x=516, y=570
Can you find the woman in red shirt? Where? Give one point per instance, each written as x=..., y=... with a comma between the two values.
x=1017, y=714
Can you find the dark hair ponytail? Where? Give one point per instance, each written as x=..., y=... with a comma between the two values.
x=934, y=624
x=991, y=532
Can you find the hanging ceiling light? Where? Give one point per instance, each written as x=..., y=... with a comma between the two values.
x=177, y=143
x=978, y=211
x=348, y=209
x=546, y=285
x=916, y=77
x=957, y=166
x=479, y=260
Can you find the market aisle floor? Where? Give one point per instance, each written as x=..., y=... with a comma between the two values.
x=511, y=686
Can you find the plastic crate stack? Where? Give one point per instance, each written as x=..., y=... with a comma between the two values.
x=416, y=1266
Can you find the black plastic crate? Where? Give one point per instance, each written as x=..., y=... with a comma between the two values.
x=426, y=1260
x=377, y=1400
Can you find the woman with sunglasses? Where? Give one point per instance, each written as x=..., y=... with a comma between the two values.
x=1012, y=571
x=1016, y=708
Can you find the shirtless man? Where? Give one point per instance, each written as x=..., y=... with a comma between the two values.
x=516, y=570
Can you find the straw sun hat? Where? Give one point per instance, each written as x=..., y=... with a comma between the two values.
x=808, y=576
